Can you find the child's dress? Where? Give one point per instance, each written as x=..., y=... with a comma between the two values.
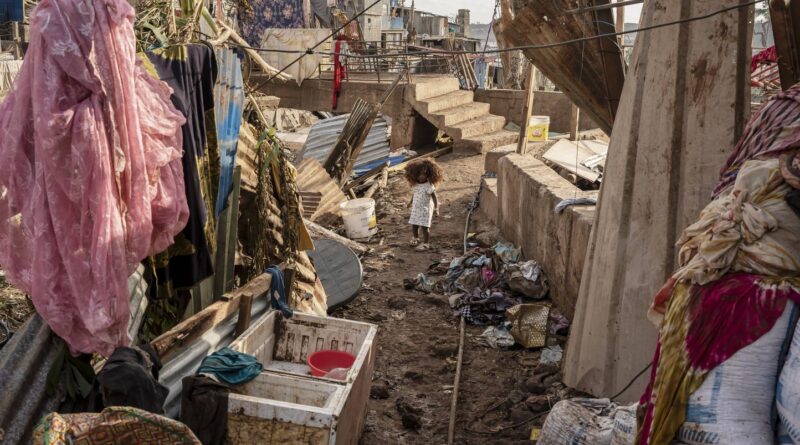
x=422, y=205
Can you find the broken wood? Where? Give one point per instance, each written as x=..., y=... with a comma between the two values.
x=254, y=55
x=522, y=144
x=378, y=185
x=785, y=16
x=317, y=231
x=366, y=176
x=170, y=342
x=243, y=322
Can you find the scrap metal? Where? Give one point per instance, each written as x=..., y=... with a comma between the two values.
x=592, y=72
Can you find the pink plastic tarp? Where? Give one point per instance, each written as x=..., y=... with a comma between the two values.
x=90, y=174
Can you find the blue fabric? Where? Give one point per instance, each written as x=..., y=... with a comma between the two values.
x=393, y=160
x=277, y=292
x=228, y=106
x=231, y=367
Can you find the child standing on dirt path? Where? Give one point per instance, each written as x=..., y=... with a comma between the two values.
x=424, y=176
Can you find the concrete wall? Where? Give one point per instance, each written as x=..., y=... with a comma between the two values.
x=528, y=190
x=511, y=103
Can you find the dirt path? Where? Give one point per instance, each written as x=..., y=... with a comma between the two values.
x=418, y=337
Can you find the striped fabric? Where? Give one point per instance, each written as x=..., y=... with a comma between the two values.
x=771, y=132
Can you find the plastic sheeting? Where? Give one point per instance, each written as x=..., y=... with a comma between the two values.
x=228, y=106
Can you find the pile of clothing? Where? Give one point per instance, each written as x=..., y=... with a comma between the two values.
x=484, y=284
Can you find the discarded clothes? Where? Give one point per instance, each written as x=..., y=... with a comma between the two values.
x=421, y=283
x=551, y=355
x=191, y=71
x=130, y=378
x=115, y=425
x=277, y=292
x=497, y=337
x=231, y=367
x=526, y=279
x=483, y=307
x=89, y=186
x=204, y=408
x=561, y=206
x=507, y=253
x=589, y=422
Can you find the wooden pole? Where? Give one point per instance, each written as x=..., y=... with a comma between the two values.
x=451, y=430
x=575, y=123
x=620, y=23
x=522, y=144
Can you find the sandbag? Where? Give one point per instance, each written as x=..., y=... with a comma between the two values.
x=589, y=422
x=787, y=394
x=733, y=405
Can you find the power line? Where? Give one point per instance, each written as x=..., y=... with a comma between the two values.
x=499, y=50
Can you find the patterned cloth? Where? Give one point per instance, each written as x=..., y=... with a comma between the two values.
x=739, y=265
x=90, y=182
x=771, y=132
x=115, y=425
x=266, y=14
x=422, y=205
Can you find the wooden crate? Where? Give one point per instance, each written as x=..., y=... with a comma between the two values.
x=287, y=405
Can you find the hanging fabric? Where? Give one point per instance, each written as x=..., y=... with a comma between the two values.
x=88, y=186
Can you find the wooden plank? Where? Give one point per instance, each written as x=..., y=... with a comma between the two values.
x=785, y=17
x=522, y=144
x=366, y=176
x=167, y=344
x=317, y=231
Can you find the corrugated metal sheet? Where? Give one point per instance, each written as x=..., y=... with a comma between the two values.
x=187, y=361
x=325, y=133
x=313, y=179
x=228, y=106
x=24, y=364
x=591, y=73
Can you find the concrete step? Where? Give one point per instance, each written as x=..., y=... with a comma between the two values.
x=445, y=101
x=476, y=127
x=428, y=89
x=451, y=116
x=482, y=144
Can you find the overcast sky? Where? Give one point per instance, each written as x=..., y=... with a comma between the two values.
x=481, y=10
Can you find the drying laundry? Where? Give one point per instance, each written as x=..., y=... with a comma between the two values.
x=130, y=378
x=231, y=367
x=88, y=186
x=191, y=71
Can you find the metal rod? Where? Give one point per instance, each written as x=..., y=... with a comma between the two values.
x=603, y=7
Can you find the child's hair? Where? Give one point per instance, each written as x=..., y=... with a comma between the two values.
x=427, y=166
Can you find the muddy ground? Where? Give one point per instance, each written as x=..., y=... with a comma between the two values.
x=504, y=393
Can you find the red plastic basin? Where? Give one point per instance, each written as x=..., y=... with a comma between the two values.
x=323, y=361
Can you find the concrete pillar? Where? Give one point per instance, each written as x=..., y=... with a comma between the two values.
x=682, y=109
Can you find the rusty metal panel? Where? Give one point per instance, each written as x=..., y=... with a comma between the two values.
x=311, y=179
x=324, y=134
x=591, y=72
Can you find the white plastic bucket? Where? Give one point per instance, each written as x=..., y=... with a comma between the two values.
x=538, y=128
x=359, y=218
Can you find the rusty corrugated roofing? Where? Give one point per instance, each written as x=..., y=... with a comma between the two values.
x=312, y=179
x=591, y=72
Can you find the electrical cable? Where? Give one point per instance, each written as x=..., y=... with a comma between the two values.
x=510, y=49
x=633, y=380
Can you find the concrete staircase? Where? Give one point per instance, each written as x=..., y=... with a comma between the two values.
x=454, y=111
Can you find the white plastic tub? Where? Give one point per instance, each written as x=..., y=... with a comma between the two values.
x=359, y=218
